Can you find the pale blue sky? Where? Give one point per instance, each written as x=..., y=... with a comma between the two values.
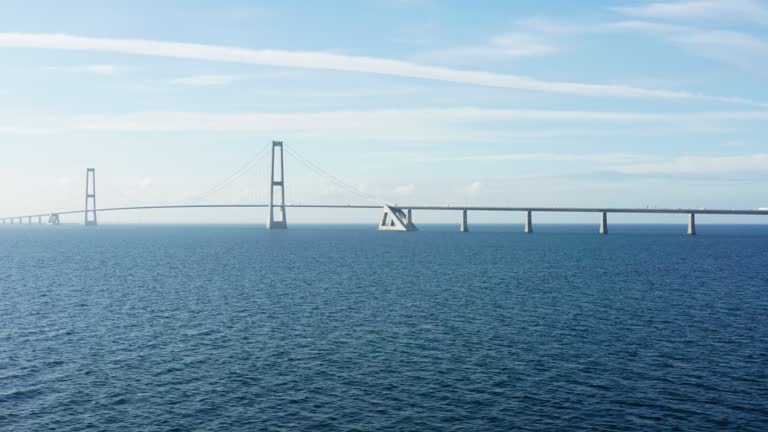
x=588, y=103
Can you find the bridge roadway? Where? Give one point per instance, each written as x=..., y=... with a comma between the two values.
x=593, y=210
x=429, y=208
x=189, y=206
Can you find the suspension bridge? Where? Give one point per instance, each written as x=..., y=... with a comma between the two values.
x=394, y=218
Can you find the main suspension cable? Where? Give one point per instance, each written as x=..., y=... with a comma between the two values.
x=243, y=170
x=338, y=182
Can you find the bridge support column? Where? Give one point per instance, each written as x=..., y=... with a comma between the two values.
x=29, y=220
x=464, y=226
x=39, y=220
x=395, y=219
x=90, y=197
x=53, y=219
x=282, y=222
x=528, y=222
x=692, y=224
x=604, y=223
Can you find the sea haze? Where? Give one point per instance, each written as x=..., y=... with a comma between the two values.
x=345, y=328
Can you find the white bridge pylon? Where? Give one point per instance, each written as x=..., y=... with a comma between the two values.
x=90, y=198
x=395, y=219
x=282, y=222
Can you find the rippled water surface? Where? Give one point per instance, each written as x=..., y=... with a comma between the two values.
x=344, y=328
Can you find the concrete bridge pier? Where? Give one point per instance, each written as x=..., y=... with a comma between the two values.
x=604, y=223
x=528, y=222
x=53, y=219
x=692, y=224
x=39, y=220
x=409, y=223
x=395, y=219
x=464, y=226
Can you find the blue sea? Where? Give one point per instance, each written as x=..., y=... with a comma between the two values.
x=326, y=328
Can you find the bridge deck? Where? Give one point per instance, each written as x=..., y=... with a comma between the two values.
x=597, y=210
x=429, y=208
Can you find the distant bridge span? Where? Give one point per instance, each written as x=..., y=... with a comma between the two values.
x=186, y=206
x=399, y=218
x=396, y=217
x=423, y=208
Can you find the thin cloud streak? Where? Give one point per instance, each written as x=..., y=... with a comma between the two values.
x=747, y=10
x=710, y=39
x=502, y=47
x=693, y=165
x=379, y=118
x=607, y=158
x=638, y=164
x=338, y=62
x=206, y=80
x=402, y=125
x=12, y=130
x=435, y=123
x=740, y=49
x=100, y=69
x=728, y=46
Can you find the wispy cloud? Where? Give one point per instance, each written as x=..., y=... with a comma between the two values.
x=101, y=69
x=545, y=25
x=636, y=163
x=607, y=158
x=405, y=189
x=736, y=48
x=12, y=130
x=648, y=26
x=408, y=126
x=339, y=62
x=747, y=10
x=503, y=47
x=726, y=40
x=473, y=188
x=433, y=120
x=206, y=80
x=756, y=163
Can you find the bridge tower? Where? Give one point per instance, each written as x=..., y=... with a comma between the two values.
x=90, y=197
x=280, y=223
